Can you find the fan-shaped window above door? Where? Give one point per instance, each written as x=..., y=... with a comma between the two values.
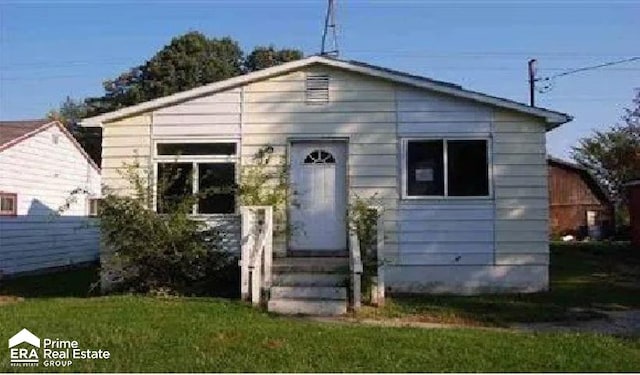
x=319, y=157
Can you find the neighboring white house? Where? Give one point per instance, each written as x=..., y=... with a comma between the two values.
x=40, y=165
x=461, y=175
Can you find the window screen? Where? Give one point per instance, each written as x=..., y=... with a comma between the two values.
x=425, y=168
x=174, y=184
x=215, y=187
x=467, y=168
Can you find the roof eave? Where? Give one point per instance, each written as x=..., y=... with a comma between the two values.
x=552, y=118
x=98, y=121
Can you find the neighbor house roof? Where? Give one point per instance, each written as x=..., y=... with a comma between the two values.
x=552, y=118
x=14, y=132
x=586, y=176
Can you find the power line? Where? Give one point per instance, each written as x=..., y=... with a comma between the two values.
x=549, y=81
x=570, y=54
x=586, y=68
x=398, y=53
x=429, y=69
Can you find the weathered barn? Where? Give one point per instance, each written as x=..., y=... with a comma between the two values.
x=579, y=206
x=40, y=165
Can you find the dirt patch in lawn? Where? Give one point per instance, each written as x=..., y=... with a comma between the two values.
x=626, y=323
x=623, y=323
x=397, y=322
x=7, y=300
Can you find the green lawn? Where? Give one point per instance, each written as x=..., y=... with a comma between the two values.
x=201, y=334
x=585, y=277
x=158, y=335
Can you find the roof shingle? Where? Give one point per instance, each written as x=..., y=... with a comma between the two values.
x=11, y=130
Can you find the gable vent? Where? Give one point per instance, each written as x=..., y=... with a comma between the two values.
x=317, y=88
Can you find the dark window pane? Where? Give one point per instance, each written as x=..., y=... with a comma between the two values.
x=216, y=182
x=7, y=203
x=319, y=157
x=425, y=168
x=467, y=168
x=196, y=149
x=174, y=184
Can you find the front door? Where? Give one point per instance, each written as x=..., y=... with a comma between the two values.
x=319, y=204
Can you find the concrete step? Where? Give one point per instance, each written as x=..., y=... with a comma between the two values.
x=318, y=253
x=307, y=306
x=310, y=279
x=311, y=265
x=332, y=261
x=311, y=268
x=306, y=292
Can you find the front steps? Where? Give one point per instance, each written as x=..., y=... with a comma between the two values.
x=309, y=285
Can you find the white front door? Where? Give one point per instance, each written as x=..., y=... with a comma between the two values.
x=318, y=210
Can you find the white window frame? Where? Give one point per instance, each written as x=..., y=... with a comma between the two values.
x=97, y=202
x=445, y=139
x=195, y=160
x=14, y=196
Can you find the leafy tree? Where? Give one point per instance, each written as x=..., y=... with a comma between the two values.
x=613, y=155
x=265, y=57
x=70, y=113
x=188, y=61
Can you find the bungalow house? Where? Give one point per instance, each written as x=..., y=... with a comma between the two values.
x=579, y=206
x=40, y=165
x=460, y=177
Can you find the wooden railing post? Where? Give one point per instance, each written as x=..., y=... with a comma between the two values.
x=268, y=245
x=355, y=266
x=380, y=294
x=256, y=256
x=246, y=246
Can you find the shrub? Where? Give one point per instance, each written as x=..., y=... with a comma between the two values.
x=148, y=252
x=362, y=220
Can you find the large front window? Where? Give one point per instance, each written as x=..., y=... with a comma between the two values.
x=204, y=170
x=446, y=168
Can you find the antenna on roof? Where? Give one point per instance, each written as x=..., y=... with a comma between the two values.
x=330, y=36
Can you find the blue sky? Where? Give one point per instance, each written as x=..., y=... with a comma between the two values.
x=49, y=50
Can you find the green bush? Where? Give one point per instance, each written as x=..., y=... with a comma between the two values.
x=362, y=220
x=168, y=253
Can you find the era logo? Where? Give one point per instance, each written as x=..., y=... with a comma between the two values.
x=25, y=356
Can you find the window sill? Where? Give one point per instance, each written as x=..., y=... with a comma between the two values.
x=447, y=198
x=214, y=216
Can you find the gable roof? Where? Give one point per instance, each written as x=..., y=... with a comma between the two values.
x=586, y=176
x=14, y=132
x=552, y=118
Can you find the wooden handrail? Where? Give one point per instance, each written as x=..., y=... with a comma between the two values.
x=378, y=298
x=256, y=252
x=355, y=266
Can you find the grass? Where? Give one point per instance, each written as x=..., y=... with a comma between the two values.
x=215, y=335
x=192, y=335
x=584, y=278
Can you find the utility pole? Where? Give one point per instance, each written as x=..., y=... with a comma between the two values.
x=532, y=82
x=330, y=47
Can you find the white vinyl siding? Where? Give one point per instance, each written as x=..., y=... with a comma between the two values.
x=458, y=244
x=125, y=142
x=522, y=202
x=43, y=174
x=361, y=110
x=443, y=231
